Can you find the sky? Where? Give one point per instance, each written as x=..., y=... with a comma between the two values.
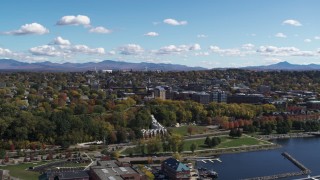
x=205, y=33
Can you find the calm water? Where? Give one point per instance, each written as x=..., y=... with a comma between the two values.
x=263, y=163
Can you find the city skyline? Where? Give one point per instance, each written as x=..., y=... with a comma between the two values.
x=207, y=33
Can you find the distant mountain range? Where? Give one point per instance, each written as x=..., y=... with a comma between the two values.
x=13, y=65
x=285, y=66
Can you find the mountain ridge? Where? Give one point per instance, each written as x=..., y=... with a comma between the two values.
x=286, y=66
x=14, y=65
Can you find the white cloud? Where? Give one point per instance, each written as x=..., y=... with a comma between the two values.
x=195, y=47
x=317, y=37
x=45, y=50
x=74, y=20
x=100, y=29
x=283, y=51
x=280, y=35
x=202, y=36
x=86, y=50
x=60, y=41
x=111, y=53
x=5, y=52
x=291, y=22
x=248, y=46
x=33, y=28
x=174, y=22
x=131, y=49
x=307, y=40
x=227, y=52
x=151, y=34
x=64, y=50
x=173, y=49
x=202, y=54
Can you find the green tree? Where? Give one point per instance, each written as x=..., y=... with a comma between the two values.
x=193, y=147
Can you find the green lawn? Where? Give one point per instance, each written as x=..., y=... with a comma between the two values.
x=19, y=171
x=183, y=130
x=226, y=142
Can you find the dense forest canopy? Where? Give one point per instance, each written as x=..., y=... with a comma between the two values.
x=64, y=108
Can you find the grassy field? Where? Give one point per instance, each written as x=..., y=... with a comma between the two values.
x=226, y=142
x=19, y=171
x=183, y=130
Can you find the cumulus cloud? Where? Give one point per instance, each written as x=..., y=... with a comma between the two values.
x=291, y=22
x=317, y=37
x=5, y=52
x=59, y=50
x=248, y=46
x=100, y=30
x=74, y=20
x=195, y=47
x=131, y=49
x=86, y=50
x=280, y=35
x=283, y=51
x=151, y=34
x=60, y=41
x=173, y=49
x=174, y=22
x=111, y=53
x=45, y=50
x=307, y=40
x=227, y=52
x=202, y=36
x=33, y=28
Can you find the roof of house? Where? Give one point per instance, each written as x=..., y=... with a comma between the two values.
x=176, y=165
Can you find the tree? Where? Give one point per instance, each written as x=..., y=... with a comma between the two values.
x=177, y=156
x=235, y=132
x=207, y=141
x=193, y=147
x=190, y=130
x=176, y=142
x=2, y=153
x=153, y=145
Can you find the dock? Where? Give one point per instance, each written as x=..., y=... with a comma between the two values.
x=277, y=176
x=304, y=169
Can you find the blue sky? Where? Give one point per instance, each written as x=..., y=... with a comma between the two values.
x=207, y=33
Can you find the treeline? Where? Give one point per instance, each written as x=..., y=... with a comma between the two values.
x=112, y=121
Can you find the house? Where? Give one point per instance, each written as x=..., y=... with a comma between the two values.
x=175, y=169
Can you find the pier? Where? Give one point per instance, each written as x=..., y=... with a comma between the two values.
x=304, y=170
x=297, y=163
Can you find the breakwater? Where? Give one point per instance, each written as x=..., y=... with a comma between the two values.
x=304, y=169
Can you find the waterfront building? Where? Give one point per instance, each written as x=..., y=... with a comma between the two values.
x=113, y=170
x=175, y=169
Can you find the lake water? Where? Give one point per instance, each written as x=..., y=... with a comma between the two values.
x=263, y=163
